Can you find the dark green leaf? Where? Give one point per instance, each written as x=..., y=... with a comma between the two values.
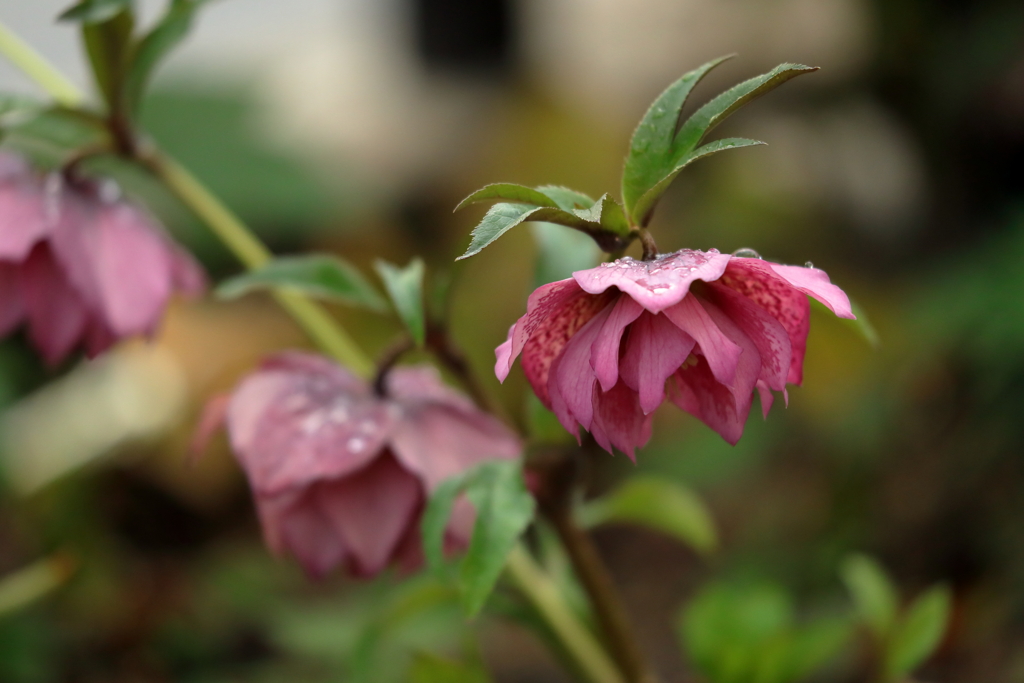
x=157, y=44
x=607, y=213
x=874, y=596
x=565, y=198
x=645, y=204
x=560, y=253
x=510, y=192
x=429, y=668
x=919, y=633
x=504, y=508
x=435, y=518
x=718, y=109
x=319, y=275
x=651, y=155
x=95, y=11
x=659, y=504
x=405, y=287
x=107, y=44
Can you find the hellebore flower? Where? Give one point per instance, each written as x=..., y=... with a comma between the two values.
x=601, y=347
x=340, y=475
x=79, y=265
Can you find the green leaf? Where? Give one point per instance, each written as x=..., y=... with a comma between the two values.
x=645, y=204
x=509, y=191
x=405, y=287
x=651, y=149
x=504, y=508
x=108, y=43
x=660, y=504
x=815, y=645
x=95, y=11
x=607, y=213
x=874, y=595
x=718, y=109
x=560, y=253
x=320, y=275
x=157, y=44
x=565, y=198
x=429, y=668
x=919, y=633
x=861, y=327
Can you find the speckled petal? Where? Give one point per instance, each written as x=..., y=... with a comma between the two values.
x=722, y=353
x=654, y=349
x=658, y=284
x=814, y=282
x=572, y=381
x=543, y=304
x=768, y=335
x=618, y=421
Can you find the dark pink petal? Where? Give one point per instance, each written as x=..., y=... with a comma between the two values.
x=619, y=421
x=117, y=260
x=211, y=420
x=604, y=354
x=12, y=302
x=767, y=333
x=658, y=284
x=437, y=442
x=290, y=427
x=370, y=510
x=56, y=315
x=814, y=282
x=767, y=397
x=722, y=407
x=722, y=353
x=294, y=524
x=654, y=349
x=543, y=303
x=23, y=220
x=755, y=279
x=187, y=276
x=413, y=384
x=572, y=382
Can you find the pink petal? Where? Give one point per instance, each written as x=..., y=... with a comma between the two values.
x=211, y=419
x=294, y=524
x=768, y=335
x=423, y=383
x=572, y=381
x=604, y=355
x=767, y=397
x=289, y=427
x=371, y=510
x=544, y=303
x=755, y=279
x=56, y=315
x=12, y=301
x=655, y=285
x=437, y=442
x=654, y=350
x=723, y=353
x=814, y=282
x=503, y=356
x=619, y=421
x=23, y=220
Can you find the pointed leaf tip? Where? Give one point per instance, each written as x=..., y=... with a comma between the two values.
x=511, y=192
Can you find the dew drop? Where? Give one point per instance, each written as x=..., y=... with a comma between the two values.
x=808, y=265
x=356, y=444
x=746, y=253
x=712, y=250
x=660, y=290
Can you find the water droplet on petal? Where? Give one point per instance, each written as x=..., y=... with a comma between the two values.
x=746, y=253
x=355, y=444
x=712, y=250
x=808, y=265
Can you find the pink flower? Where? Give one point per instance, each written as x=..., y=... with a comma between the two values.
x=340, y=475
x=79, y=266
x=599, y=347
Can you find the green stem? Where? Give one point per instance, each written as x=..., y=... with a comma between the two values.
x=534, y=583
x=38, y=69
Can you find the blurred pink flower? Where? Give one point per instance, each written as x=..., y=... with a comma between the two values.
x=80, y=265
x=340, y=475
x=599, y=347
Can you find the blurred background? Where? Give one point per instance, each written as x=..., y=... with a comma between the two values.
x=357, y=125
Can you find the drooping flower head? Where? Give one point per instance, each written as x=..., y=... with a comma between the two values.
x=602, y=348
x=340, y=475
x=80, y=265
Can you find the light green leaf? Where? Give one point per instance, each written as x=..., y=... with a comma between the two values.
x=645, y=204
x=607, y=213
x=319, y=275
x=565, y=198
x=405, y=287
x=560, y=253
x=861, y=327
x=874, y=596
x=815, y=645
x=429, y=668
x=659, y=504
x=919, y=633
x=157, y=44
x=504, y=508
x=435, y=518
x=651, y=149
x=718, y=109
x=94, y=11
x=510, y=192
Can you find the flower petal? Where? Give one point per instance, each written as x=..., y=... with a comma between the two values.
x=768, y=335
x=756, y=280
x=56, y=314
x=619, y=421
x=604, y=354
x=723, y=353
x=658, y=284
x=571, y=383
x=544, y=303
x=294, y=524
x=814, y=282
x=371, y=510
x=22, y=217
x=12, y=301
x=654, y=349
